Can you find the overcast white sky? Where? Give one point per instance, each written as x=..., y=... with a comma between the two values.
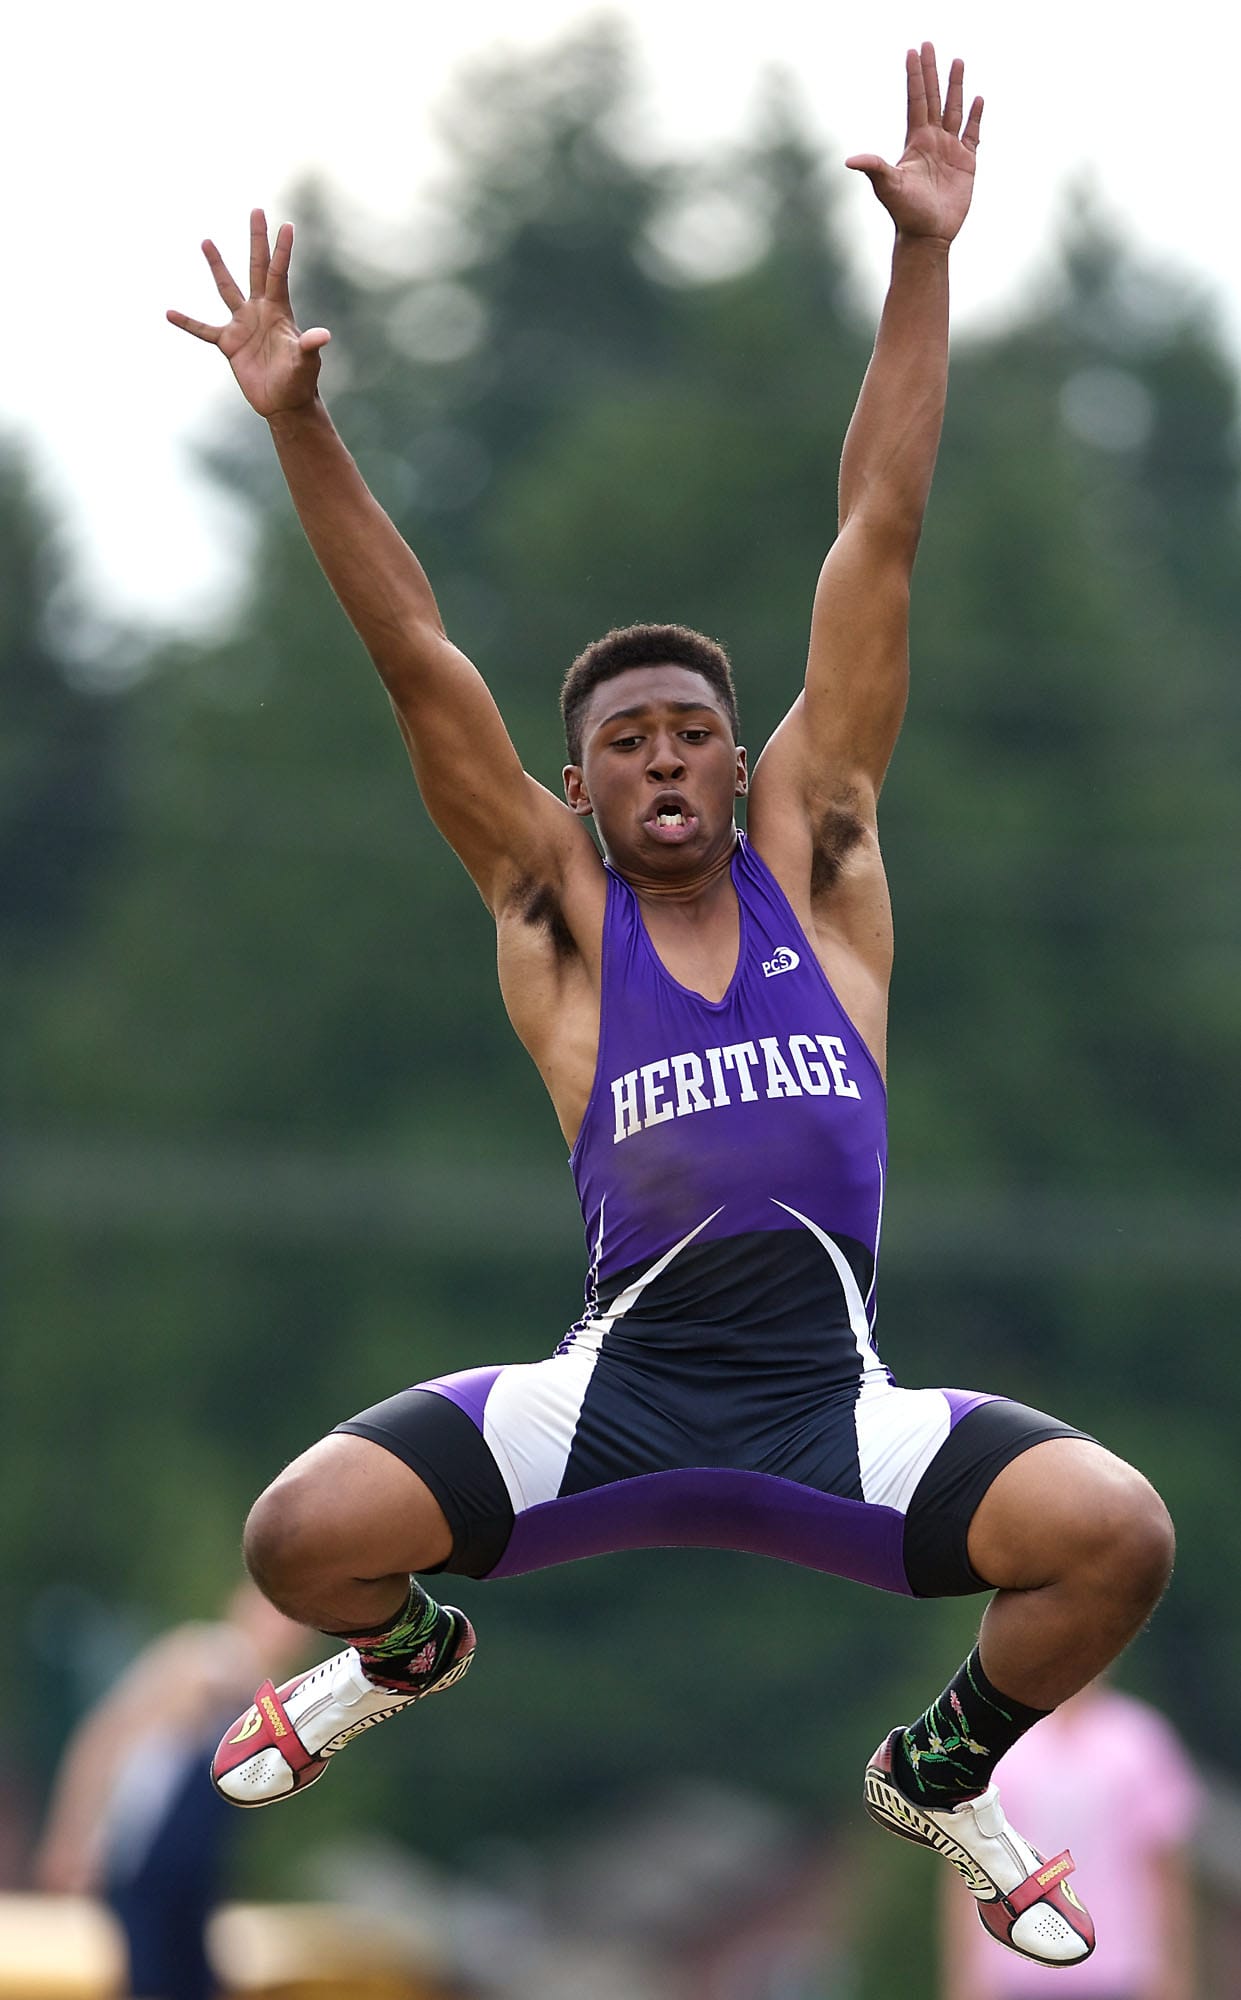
x=131, y=131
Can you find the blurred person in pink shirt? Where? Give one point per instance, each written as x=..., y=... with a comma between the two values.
x=1110, y=1773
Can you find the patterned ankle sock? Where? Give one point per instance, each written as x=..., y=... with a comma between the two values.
x=949, y=1753
x=408, y=1650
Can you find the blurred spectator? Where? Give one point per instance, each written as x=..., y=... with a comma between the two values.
x=1105, y=1776
x=133, y=1817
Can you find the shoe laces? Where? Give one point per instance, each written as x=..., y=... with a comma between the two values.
x=339, y=1741
x=324, y=1669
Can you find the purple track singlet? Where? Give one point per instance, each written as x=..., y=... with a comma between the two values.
x=759, y=1112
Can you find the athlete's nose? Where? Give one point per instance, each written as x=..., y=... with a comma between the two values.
x=666, y=762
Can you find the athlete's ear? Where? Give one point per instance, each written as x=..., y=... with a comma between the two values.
x=575, y=791
x=743, y=777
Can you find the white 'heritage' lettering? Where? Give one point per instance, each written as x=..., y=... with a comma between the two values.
x=652, y=1091
x=815, y=1080
x=714, y=1057
x=779, y=1076
x=834, y=1049
x=625, y=1098
x=734, y=1055
x=677, y=1086
x=687, y=1069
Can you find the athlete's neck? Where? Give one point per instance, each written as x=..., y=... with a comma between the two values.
x=691, y=889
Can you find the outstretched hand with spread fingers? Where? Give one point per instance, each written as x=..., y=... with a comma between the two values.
x=927, y=192
x=277, y=367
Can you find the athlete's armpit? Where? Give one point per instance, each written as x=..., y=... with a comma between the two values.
x=834, y=834
x=539, y=906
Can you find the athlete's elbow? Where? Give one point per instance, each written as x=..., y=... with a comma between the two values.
x=888, y=524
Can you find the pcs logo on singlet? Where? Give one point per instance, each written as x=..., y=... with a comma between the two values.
x=783, y=959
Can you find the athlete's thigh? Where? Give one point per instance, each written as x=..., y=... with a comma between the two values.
x=357, y=1506
x=994, y=1450
x=435, y=1437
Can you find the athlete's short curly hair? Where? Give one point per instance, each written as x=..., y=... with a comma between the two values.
x=642, y=646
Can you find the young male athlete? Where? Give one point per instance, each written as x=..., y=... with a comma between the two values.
x=708, y=1013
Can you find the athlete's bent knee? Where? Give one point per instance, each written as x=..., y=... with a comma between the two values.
x=1070, y=1513
x=283, y=1543
x=1143, y=1540
x=1126, y=1542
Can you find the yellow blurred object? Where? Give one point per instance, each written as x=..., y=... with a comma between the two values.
x=381, y=1986
x=310, y=1951
x=69, y=1948
x=59, y=1948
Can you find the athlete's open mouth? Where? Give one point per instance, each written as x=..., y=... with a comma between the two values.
x=670, y=821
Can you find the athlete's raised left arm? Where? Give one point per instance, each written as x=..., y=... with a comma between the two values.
x=826, y=761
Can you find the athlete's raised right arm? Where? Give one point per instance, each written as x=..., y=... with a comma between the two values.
x=502, y=823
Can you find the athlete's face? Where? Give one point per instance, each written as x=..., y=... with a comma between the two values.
x=660, y=771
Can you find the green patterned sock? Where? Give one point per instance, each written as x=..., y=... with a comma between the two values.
x=949, y=1753
x=406, y=1652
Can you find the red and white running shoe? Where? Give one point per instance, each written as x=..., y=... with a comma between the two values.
x=1023, y=1901
x=282, y=1744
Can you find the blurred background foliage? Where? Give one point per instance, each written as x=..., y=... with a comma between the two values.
x=270, y=1150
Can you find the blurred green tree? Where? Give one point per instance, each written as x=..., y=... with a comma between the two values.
x=57, y=768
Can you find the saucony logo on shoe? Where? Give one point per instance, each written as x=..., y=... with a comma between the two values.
x=251, y=1723
x=272, y=1713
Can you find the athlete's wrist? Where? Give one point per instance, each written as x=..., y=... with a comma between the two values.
x=909, y=245
x=288, y=424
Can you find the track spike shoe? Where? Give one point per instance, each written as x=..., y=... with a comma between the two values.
x=1023, y=1901
x=284, y=1741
